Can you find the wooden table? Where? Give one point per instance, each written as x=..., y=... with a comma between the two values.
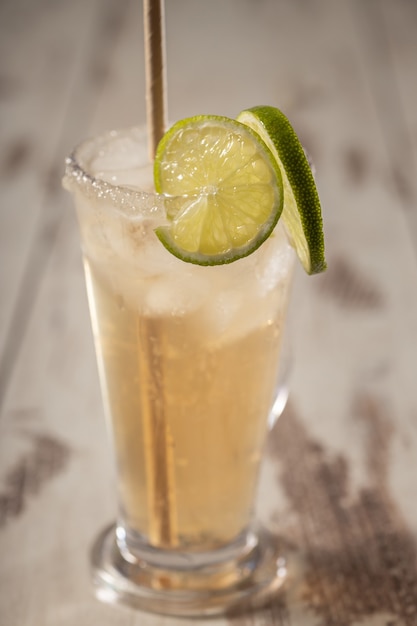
x=339, y=482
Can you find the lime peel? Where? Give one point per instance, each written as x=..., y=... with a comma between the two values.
x=302, y=212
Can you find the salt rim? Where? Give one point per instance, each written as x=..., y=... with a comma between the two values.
x=122, y=198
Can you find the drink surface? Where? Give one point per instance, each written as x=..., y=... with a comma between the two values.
x=188, y=357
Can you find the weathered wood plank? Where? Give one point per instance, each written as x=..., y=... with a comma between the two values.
x=38, y=57
x=388, y=57
x=48, y=110
x=338, y=484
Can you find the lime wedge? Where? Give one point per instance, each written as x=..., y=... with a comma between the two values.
x=301, y=213
x=225, y=188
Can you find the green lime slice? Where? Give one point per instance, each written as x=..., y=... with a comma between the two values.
x=223, y=188
x=301, y=212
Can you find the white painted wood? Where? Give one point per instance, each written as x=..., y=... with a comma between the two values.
x=348, y=87
x=44, y=47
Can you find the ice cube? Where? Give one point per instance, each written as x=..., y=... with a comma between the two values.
x=274, y=262
x=121, y=152
x=175, y=294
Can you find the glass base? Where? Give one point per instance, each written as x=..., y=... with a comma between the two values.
x=188, y=584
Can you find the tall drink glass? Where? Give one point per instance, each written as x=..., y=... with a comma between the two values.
x=188, y=359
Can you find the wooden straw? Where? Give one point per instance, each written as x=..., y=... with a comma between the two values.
x=153, y=17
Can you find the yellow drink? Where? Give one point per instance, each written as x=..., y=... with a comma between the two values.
x=210, y=394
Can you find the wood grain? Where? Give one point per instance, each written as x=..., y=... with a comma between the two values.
x=338, y=483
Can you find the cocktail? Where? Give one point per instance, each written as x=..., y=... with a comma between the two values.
x=188, y=270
